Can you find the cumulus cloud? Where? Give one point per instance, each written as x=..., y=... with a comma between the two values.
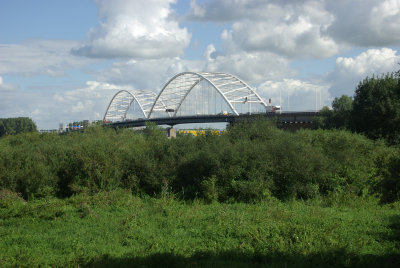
x=252, y=67
x=288, y=28
x=303, y=28
x=85, y=103
x=365, y=22
x=231, y=10
x=39, y=57
x=152, y=74
x=149, y=74
x=349, y=71
x=136, y=29
x=47, y=110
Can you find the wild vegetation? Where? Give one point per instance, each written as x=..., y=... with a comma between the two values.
x=375, y=110
x=253, y=196
x=252, y=161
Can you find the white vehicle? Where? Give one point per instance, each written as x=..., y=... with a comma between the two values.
x=273, y=109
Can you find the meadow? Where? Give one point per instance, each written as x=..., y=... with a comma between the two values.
x=118, y=229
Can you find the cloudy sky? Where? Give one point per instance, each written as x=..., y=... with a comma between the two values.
x=62, y=61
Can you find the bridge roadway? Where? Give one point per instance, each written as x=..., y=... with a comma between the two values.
x=281, y=118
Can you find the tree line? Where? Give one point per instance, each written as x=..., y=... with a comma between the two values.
x=374, y=111
x=250, y=161
x=11, y=126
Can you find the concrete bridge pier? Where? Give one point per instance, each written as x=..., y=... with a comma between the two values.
x=171, y=132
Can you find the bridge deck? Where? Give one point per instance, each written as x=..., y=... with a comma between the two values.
x=285, y=117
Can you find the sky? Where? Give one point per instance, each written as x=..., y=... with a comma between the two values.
x=63, y=60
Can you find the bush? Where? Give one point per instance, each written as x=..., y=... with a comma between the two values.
x=251, y=161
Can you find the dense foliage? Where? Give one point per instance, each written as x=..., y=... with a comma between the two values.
x=374, y=112
x=338, y=117
x=376, y=108
x=251, y=161
x=10, y=126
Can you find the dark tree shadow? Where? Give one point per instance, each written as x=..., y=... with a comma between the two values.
x=394, y=224
x=335, y=258
x=338, y=258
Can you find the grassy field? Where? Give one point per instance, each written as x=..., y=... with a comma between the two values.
x=118, y=229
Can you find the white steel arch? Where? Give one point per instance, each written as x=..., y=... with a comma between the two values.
x=230, y=88
x=122, y=101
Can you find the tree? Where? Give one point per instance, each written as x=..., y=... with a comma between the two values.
x=338, y=117
x=376, y=108
x=342, y=108
x=10, y=126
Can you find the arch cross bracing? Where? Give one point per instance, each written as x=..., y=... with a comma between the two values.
x=123, y=100
x=231, y=89
x=234, y=93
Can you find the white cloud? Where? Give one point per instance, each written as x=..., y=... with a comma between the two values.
x=232, y=10
x=197, y=10
x=47, y=110
x=85, y=103
x=39, y=57
x=299, y=31
x=303, y=28
x=137, y=29
x=289, y=28
x=147, y=74
x=350, y=71
x=253, y=67
x=365, y=22
x=152, y=74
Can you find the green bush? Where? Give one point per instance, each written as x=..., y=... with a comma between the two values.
x=251, y=161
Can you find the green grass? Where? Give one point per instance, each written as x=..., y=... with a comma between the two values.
x=117, y=229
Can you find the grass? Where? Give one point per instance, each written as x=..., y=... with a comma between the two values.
x=117, y=229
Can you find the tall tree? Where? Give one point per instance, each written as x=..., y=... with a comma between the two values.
x=376, y=108
x=337, y=117
x=10, y=126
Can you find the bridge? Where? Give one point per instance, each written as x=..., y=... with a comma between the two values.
x=195, y=97
x=283, y=118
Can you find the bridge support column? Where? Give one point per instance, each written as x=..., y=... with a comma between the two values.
x=171, y=132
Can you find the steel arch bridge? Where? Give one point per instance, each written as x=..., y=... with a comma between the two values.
x=187, y=94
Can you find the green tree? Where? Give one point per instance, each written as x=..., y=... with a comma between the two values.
x=376, y=108
x=342, y=108
x=11, y=126
x=337, y=117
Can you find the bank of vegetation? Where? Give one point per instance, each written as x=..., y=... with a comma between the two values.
x=250, y=162
x=373, y=111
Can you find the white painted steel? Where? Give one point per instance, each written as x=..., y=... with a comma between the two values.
x=122, y=101
x=233, y=92
x=231, y=89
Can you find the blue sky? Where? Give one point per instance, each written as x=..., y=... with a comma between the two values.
x=62, y=61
